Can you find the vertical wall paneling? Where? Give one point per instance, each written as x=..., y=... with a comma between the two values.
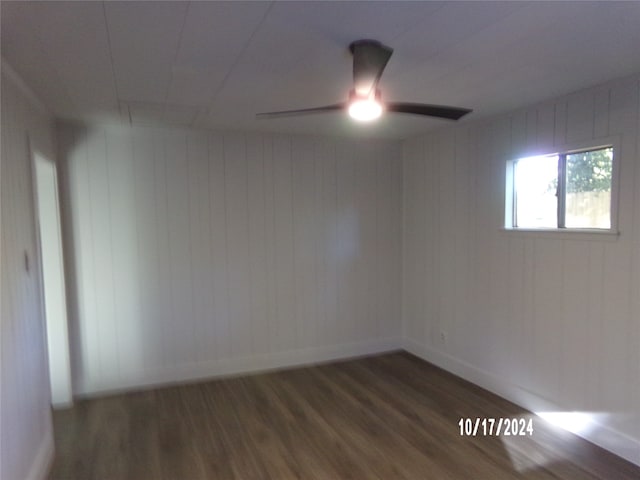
x=257, y=224
x=235, y=176
x=320, y=298
x=462, y=237
x=304, y=215
x=148, y=274
x=396, y=235
x=357, y=241
x=580, y=116
x=575, y=303
x=560, y=122
x=270, y=244
x=166, y=311
x=198, y=168
x=413, y=191
x=448, y=202
x=107, y=321
x=521, y=133
x=120, y=170
x=286, y=327
x=347, y=238
x=218, y=318
x=199, y=254
x=618, y=287
x=530, y=129
x=498, y=148
x=388, y=241
x=548, y=320
x=595, y=325
x=331, y=327
x=601, y=99
x=177, y=177
x=545, y=126
x=368, y=206
x=547, y=326
x=480, y=324
x=429, y=232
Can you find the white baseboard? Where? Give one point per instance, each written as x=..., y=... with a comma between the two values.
x=42, y=460
x=239, y=365
x=601, y=434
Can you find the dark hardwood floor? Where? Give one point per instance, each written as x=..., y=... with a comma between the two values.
x=386, y=417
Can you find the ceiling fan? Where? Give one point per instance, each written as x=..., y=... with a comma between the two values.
x=370, y=57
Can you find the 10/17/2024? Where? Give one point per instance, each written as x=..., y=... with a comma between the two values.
x=472, y=427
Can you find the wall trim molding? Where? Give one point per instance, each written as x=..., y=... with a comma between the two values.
x=43, y=459
x=238, y=366
x=602, y=435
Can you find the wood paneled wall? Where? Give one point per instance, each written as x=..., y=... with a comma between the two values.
x=548, y=320
x=25, y=416
x=197, y=254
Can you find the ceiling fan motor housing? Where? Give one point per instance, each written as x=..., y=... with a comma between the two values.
x=354, y=95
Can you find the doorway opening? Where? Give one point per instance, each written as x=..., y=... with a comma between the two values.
x=53, y=281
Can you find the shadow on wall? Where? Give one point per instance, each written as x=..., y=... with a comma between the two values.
x=66, y=145
x=100, y=239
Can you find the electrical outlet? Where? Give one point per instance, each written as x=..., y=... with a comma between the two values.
x=443, y=336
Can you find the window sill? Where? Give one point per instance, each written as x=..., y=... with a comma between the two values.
x=565, y=234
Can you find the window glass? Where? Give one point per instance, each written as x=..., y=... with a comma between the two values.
x=588, y=192
x=566, y=190
x=536, y=203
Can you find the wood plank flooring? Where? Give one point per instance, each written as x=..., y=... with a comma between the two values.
x=386, y=417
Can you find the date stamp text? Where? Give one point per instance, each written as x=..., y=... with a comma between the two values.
x=483, y=427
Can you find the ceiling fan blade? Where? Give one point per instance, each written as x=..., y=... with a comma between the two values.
x=370, y=57
x=439, y=111
x=304, y=111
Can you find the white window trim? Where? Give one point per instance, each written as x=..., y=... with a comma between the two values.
x=597, y=233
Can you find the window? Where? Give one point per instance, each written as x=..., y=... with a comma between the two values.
x=570, y=190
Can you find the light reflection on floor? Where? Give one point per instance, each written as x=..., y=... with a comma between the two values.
x=533, y=452
x=579, y=423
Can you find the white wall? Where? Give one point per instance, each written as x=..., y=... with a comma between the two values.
x=198, y=254
x=548, y=320
x=26, y=440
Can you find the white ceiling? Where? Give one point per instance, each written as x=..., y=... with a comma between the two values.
x=217, y=64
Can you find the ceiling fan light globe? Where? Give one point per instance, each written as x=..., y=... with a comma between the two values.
x=365, y=110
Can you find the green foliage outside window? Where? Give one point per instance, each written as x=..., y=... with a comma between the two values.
x=589, y=171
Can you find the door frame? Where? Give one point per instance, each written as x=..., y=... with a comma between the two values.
x=52, y=276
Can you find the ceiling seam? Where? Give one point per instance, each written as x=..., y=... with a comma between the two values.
x=54, y=68
x=113, y=67
x=175, y=57
x=244, y=49
x=458, y=71
x=417, y=22
x=462, y=38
